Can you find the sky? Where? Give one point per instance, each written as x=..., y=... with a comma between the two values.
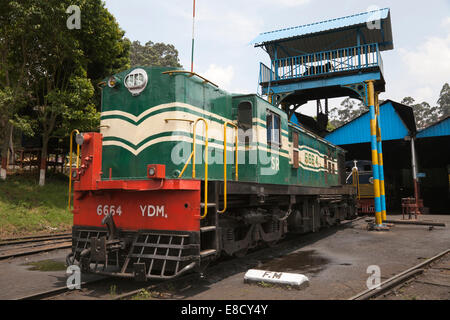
x=418, y=66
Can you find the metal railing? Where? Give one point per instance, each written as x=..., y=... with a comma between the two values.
x=320, y=63
x=265, y=73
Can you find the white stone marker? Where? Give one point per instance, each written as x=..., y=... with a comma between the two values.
x=282, y=278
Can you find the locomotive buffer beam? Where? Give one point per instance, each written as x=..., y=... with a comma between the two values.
x=100, y=248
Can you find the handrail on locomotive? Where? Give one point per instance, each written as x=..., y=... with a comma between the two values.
x=225, y=125
x=70, y=162
x=192, y=156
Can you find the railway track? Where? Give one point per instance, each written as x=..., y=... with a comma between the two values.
x=30, y=239
x=399, y=279
x=43, y=295
x=184, y=281
x=15, y=247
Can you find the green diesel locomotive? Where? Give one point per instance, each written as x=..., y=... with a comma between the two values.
x=183, y=172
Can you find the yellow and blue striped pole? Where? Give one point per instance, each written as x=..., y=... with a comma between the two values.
x=373, y=140
x=380, y=160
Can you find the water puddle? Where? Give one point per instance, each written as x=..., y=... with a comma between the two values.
x=46, y=265
x=301, y=261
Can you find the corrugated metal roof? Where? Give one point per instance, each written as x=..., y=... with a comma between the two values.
x=338, y=23
x=438, y=129
x=318, y=40
x=394, y=126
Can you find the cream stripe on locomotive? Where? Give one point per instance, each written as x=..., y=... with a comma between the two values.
x=311, y=159
x=157, y=108
x=119, y=128
x=180, y=138
x=313, y=162
x=157, y=124
x=161, y=107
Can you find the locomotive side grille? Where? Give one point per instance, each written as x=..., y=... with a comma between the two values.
x=164, y=255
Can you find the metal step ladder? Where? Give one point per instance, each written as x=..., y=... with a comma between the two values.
x=209, y=235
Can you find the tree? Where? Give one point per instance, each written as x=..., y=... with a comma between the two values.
x=154, y=54
x=423, y=112
x=63, y=65
x=444, y=101
x=348, y=111
x=14, y=41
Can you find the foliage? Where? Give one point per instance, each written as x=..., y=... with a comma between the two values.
x=143, y=294
x=423, y=112
x=14, y=40
x=62, y=65
x=349, y=110
x=6, y=107
x=46, y=265
x=27, y=208
x=444, y=101
x=154, y=54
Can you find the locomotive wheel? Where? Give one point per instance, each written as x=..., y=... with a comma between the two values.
x=271, y=244
x=241, y=253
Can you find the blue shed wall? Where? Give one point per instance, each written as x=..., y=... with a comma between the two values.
x=438, y=130
x=358, y=130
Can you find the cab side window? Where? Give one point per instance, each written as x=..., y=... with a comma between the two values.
x=245, y=121
x=273, y=125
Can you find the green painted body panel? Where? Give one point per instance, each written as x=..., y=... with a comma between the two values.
x=148, y=129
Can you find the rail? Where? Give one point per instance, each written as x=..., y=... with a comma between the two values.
x=397, y=279
x=192, y=156
x=321, y=63
x=70, y=162
x=225, y=125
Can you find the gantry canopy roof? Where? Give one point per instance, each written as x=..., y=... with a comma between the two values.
x=371, y=27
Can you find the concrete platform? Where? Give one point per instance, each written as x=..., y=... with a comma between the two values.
x=335, y=261
x=17, y=280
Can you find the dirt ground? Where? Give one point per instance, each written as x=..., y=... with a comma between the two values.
x=335, y=260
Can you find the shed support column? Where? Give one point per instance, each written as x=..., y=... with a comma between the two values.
x=380, y=160
x=414, y=172
x=373, y=138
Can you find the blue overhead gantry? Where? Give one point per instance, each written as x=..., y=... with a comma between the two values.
x=334, y=58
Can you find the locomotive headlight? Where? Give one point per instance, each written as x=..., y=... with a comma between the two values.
x=151, y=172
x=113, y=81
x=136, y=81
x=79, y=139
x=82, y=138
